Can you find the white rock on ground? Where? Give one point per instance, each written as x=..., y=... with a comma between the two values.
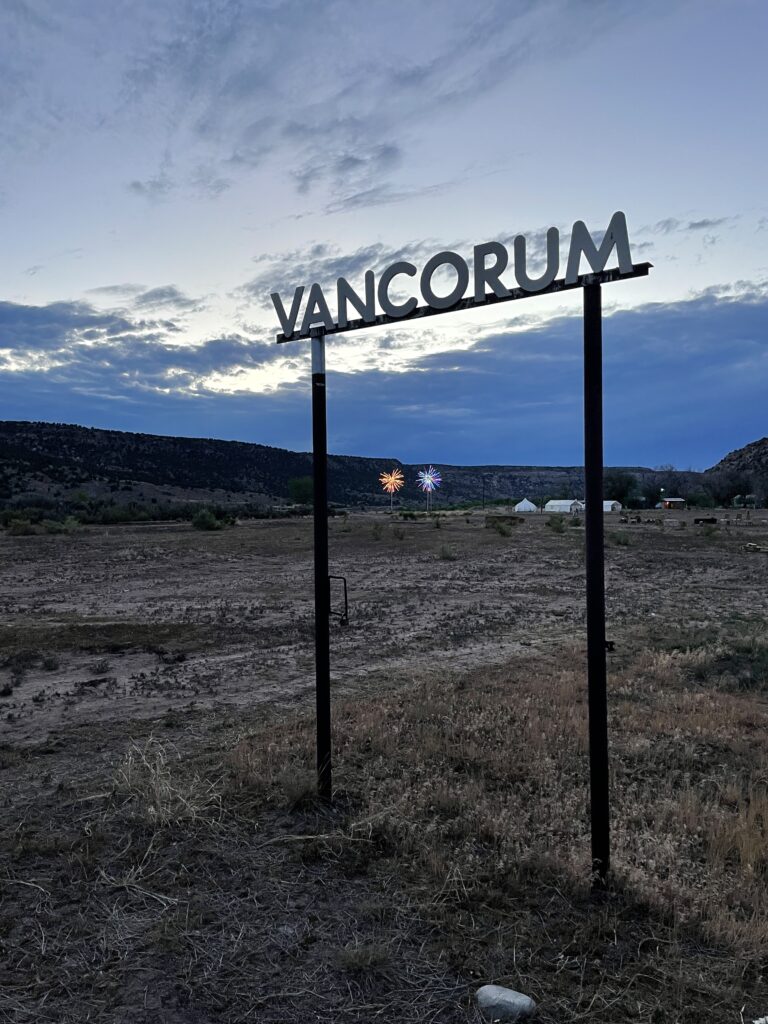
x=498, y=1003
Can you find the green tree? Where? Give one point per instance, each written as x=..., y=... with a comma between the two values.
x=619, y=485
x=725, y=484
x=701, y=499
x=300, y=490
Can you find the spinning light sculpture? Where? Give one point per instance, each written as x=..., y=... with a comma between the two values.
x=428, y=480
x=392, y=482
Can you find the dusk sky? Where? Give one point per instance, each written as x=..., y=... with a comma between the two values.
x=167, y=164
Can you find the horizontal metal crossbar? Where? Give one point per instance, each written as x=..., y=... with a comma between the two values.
x=604, y=277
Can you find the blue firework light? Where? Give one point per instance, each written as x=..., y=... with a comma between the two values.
x=429, y=479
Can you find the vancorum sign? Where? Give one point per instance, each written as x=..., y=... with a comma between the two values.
x=490, y=261
x=471, y=286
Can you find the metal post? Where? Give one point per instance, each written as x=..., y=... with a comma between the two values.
x=596, y=673
x=322, y=585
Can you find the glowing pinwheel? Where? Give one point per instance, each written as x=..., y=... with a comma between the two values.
x=428, y=480
x=392, y=482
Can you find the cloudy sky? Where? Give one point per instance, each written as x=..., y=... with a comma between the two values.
x=166, y=164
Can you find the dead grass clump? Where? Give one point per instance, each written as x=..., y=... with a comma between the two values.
x=153, y=780
x=732, y=659
x=274, y=771
x=741, y=663
x=364, y=958
x=9, y=755
x=619, y=538
x=737, y=837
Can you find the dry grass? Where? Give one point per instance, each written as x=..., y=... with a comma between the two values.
x=456, y=853
x=473, y=790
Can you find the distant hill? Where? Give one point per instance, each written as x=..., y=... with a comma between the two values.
x=752, y=459
x=742, y=472
x=56, y=462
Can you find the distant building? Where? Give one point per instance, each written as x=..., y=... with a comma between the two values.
x=612, y=506
x=678, y=503
x=570, y=506
x=526, y=506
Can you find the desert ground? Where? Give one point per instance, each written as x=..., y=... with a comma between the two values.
x=163, y=858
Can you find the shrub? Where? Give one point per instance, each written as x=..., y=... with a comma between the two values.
x=205, y=520
x=53, y=526
x=556, y=524
x=21, y=528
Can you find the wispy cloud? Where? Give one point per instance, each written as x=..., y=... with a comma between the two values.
x=670, y=225
x=117, y=290
x=707, y=223
x=166, y=297
x=206, y=182
x=155, y=189
x=384, y=195
x=221, y=88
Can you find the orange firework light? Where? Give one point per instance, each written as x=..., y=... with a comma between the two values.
x=392, y=482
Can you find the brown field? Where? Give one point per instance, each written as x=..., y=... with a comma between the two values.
x=163, y=859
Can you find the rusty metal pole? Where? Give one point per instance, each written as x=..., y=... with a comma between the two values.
x=595, y=566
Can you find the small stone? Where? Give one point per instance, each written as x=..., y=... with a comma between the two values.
x=498, y=1003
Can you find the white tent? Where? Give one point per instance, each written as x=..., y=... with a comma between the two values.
x=612, y=506
x=525, y=506
x=568, y=505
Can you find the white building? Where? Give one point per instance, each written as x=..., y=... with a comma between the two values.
x=526, y=506
x=612, y=506
x=567, y=505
